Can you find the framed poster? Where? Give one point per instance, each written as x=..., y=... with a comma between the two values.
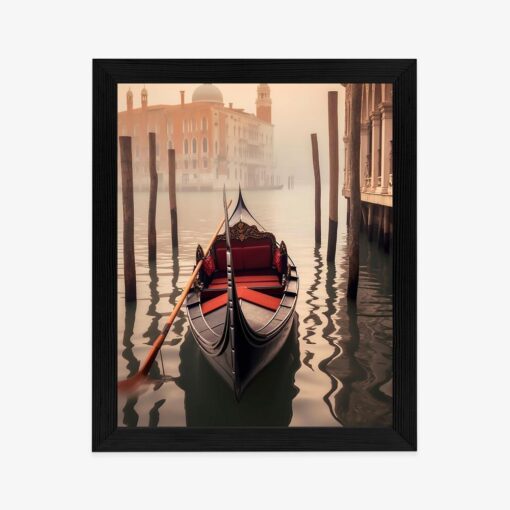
x=294, y=328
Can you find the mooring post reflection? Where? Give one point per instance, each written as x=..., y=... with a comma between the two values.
x=312, y=321
x=362, y=363
x=153, y=330
x=128, y=413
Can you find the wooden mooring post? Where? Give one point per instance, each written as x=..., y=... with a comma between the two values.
x=126, y=166
x=153, y=196
x=380, y=227
x=386, y=233
x=333, y=174
x=371, y=221
x=317, y=180
x=355, y=199
x=173, y=198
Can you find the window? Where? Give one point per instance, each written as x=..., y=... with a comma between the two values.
x=204, y=124
x=185, y=178
x=186, y=148
x=194, y=163
x=204, y=145
x=205, y=163
x=194, y=146
x=186, y=164
x=216, y=147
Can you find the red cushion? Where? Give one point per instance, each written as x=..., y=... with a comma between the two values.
x=250, y=254
x=248, y=278
x=208, y=265
x=277, y=260
x=221, y=258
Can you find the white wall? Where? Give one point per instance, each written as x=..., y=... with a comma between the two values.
x=47, y=49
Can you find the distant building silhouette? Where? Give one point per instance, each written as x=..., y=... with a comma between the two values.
x=214, y=144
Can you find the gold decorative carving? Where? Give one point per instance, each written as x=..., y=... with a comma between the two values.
x=242, y=231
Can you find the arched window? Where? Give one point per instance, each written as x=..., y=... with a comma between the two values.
x=194, y=146
x=204, y=123
x=186, y=148
x=204, y=145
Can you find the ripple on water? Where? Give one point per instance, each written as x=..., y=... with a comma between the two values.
x=335, y=371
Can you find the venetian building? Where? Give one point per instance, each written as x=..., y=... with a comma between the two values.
x=376, y=172
x=214, y=144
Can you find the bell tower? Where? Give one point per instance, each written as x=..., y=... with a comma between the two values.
x=144, y=98
x=264, y=102
x=129, y=100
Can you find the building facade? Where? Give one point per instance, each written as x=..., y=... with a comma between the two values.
x=214, y=144
x=376, y=160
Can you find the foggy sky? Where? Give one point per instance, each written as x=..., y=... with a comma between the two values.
x=297, y=111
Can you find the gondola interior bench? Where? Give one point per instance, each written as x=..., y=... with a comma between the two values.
x=257, y=281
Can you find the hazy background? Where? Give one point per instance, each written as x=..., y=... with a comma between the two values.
x=297, y=111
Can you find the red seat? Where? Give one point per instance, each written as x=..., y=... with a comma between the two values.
x=248, y=254
x=257, y=298
x=270, y=278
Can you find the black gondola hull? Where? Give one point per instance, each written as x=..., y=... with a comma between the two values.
x=238, y=367
x=242, y=325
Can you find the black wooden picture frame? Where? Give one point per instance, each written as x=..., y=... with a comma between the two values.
x=106, y=435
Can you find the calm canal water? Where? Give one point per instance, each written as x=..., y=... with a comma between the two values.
x=335, y=370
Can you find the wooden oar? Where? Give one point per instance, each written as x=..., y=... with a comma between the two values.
x=129, y=384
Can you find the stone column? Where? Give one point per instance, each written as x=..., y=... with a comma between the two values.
x=376, y=133
x=363, y=157
x=387, y=136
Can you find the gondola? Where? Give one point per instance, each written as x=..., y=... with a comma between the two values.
x=242, y=305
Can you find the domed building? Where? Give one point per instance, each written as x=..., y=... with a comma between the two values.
x=207, y=93
x=214, y=144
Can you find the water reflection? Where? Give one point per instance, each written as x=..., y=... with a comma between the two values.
x=180, y=320
x=361, y=362
x=209, y=401
x=130, y=416
x=336, y=369
x=330, y=333
x=127, y=353
x=152, y=331
x=313, y=300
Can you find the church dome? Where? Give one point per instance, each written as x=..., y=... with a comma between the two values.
x=207, y=93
